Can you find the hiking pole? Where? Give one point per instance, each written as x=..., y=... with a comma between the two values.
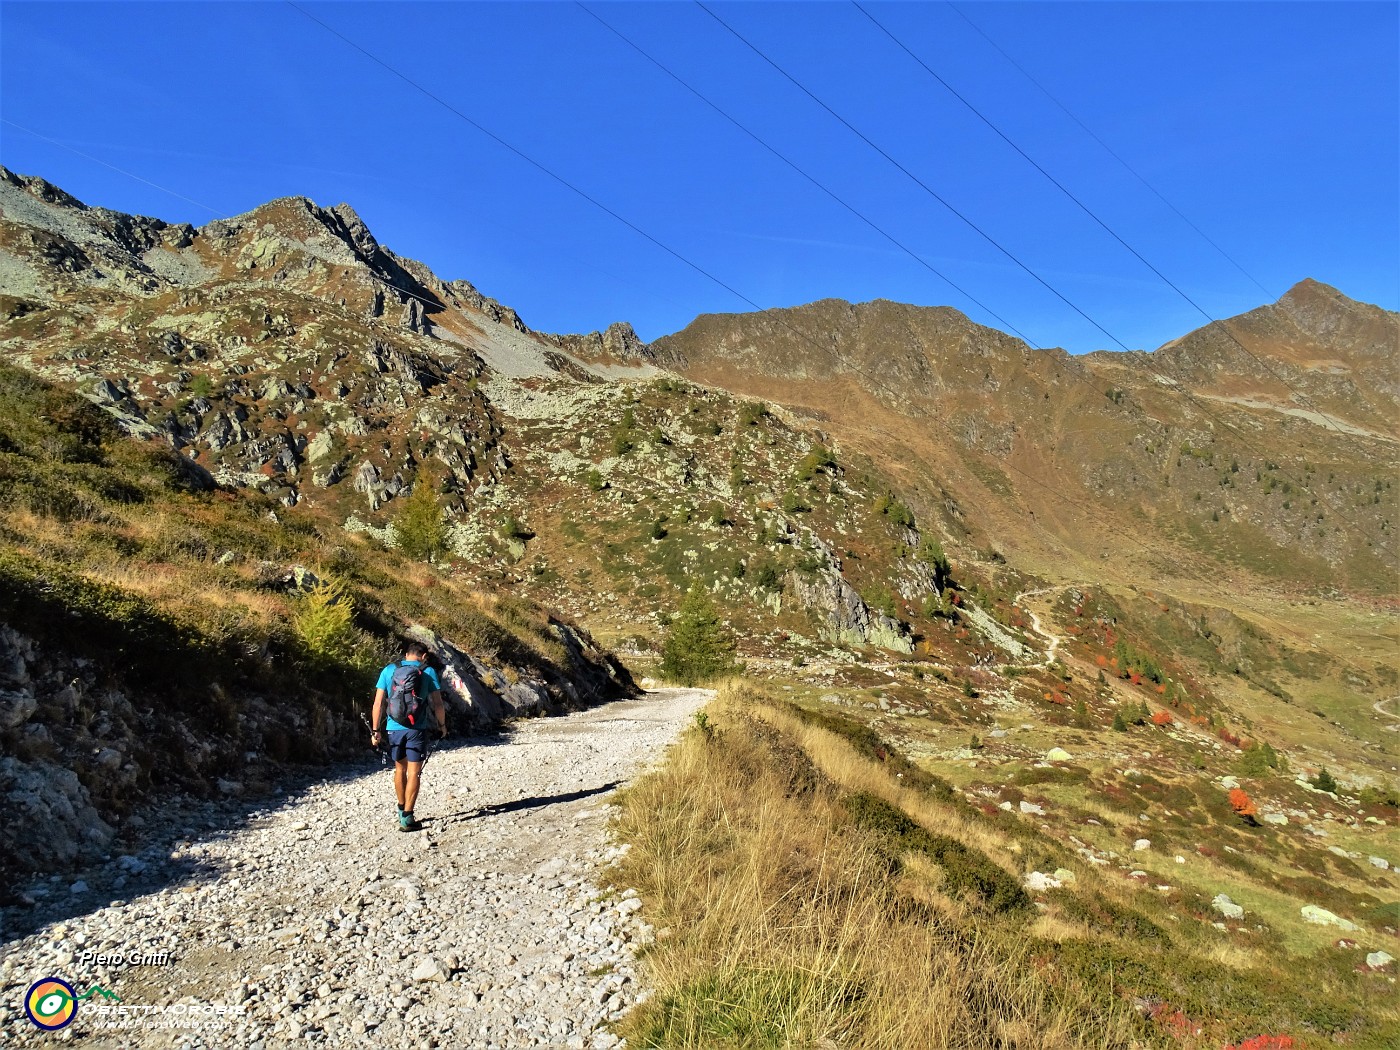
x=382, y=749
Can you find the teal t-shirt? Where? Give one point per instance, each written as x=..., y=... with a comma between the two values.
x=386, y=679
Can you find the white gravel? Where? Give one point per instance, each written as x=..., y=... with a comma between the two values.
x=316, y=920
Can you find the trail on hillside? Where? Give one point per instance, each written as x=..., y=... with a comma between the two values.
x=1052, y=640
x=319, y=920
x=1379, y=708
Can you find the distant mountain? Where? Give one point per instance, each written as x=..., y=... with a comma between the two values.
x=1267, y=439
x=286, y=349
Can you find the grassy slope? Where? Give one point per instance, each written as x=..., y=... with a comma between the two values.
x=799, y=869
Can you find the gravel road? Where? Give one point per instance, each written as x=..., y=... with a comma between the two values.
x=315, y=919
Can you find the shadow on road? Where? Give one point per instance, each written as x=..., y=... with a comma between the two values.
x=533, y=802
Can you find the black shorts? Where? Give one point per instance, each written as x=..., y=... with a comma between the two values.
x=408, y=745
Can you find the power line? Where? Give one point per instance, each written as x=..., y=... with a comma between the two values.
x=538, y=166
x=1092, y=214
x=86, y=156
x=671, y=251
x=1109, y=150
x=797, y=168
x=875, y=380
x=1170, y=380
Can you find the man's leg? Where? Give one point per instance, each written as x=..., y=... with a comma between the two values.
x=400, y=780
x=409, y=795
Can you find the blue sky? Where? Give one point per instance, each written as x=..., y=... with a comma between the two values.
x=1274, y=127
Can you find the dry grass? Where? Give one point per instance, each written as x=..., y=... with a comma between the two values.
x=801, y=908
x=788, y=929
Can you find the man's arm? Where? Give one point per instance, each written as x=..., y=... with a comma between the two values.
x=376, y=720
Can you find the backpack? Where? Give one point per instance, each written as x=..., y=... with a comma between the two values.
x=408, y=702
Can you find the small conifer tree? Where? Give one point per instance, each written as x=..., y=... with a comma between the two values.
x=1324, y=781
x=699, y=647
x=324, y=622
x=420, y=528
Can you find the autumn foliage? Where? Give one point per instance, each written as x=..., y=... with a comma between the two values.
x=1162, y=718
x=1241, y=803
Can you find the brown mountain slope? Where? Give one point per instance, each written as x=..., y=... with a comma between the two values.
x=1163, y=461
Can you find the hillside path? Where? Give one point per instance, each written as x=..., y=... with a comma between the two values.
x=1052, y=640
x=1379, y=708
x=316, y=920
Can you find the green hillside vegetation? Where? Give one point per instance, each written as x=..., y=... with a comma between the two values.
x=818, y=888
x=712, y=491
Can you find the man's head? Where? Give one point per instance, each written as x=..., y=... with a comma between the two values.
x=415, y=651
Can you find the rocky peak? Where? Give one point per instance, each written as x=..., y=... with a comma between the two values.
x=41, y=189
x=619, y=341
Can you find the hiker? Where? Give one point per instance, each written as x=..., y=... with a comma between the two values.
x=408, y=703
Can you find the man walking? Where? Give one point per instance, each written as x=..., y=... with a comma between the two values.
x=408, y=703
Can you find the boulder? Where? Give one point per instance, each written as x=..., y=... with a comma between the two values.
x=43, y=795
x=1322, y=917
x=1379, y=960
x=1058, y=754
x=16, y=709
x=1226, y=907
x=1032, y=809
x=1039, y=882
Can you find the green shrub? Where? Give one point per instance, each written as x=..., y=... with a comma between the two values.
x=765, y=577
x=1324, y=781
x=816, y=460
x=793, y=503
x=750, y=412
x=324, y=623
x=931, y=551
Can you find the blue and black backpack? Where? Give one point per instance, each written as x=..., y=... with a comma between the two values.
x=408, y=697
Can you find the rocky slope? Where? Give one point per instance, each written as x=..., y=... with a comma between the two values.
x=288, y=352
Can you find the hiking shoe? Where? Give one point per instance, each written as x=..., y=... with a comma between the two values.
x=407, y=822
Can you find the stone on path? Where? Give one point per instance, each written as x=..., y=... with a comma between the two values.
x=430, y=969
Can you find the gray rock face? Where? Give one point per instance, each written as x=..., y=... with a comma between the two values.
x=619, y=340
x=846, y=616
x=414, y=318
x=45, y=796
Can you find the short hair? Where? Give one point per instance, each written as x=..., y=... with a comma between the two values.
x=413, y=649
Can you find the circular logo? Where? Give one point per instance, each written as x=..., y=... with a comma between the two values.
x=51, y=1003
